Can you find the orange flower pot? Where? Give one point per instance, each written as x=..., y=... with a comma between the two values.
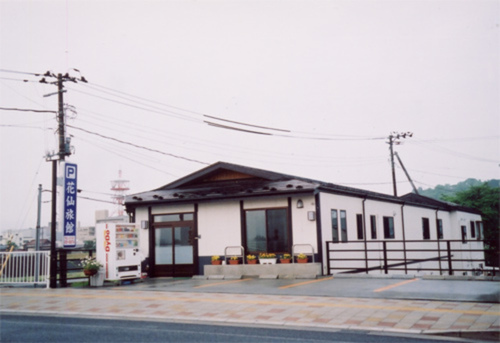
x=218, y=262
x=302, y=260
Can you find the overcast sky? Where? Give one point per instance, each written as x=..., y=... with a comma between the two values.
x=332, y=79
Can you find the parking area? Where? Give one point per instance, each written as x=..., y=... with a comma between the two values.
x=354, y=287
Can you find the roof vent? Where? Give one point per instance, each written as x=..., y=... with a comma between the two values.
x=299, y=187
x=176, y=195
x=289, y=186
x=137, y=198
x=273, y=189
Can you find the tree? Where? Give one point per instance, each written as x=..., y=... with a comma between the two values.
x=487, y=200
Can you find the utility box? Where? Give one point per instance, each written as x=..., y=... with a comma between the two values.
x=117, y=249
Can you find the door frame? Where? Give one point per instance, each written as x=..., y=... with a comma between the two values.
x=154, y=271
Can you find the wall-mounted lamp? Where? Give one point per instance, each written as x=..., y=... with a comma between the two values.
x=144, y=224
x=300, y=203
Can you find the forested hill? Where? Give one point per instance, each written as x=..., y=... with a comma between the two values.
x=450, y=190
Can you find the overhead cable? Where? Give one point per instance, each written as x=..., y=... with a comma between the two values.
x=137, y=146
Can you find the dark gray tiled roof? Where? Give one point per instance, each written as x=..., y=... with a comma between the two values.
x=262, y=183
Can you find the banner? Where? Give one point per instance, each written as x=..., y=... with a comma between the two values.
x=70, y=190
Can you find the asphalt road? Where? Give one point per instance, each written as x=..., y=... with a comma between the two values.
x=16, y=328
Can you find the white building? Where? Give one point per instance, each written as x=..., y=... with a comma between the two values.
x=189, y=220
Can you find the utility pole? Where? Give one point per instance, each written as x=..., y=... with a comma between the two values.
x=56, y=158
x=394, y=138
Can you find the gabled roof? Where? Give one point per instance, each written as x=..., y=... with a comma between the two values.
x=229, y=181
x=222, y=171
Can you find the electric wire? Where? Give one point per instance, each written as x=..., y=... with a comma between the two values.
x=138, y=146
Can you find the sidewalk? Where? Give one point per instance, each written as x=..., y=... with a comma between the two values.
x=467, y=319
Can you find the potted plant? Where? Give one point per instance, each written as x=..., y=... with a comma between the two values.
x=302, y=258
x=234, y=260
x=267, y=258
x=285, y=258
x=216, y=260
x=251, y=259
x=90, y=266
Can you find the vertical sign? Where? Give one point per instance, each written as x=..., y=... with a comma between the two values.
x=70, y=190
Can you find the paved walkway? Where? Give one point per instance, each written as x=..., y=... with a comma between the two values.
x=402, y=316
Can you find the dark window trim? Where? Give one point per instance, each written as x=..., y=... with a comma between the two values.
x=359, y=226
x=387, y=232
x=288, y=225
x=426, y=229
x=373, y=226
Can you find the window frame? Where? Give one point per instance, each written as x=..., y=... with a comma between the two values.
x=343, y=226
x=373, y=226
x=335, y=225
x=359, y=226
x=387, y=232
x=439, y=229
x=288, y=238
x=426, y=229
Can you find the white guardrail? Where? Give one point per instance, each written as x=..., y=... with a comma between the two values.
x=25, y=267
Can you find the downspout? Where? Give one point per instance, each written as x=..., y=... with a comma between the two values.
x=364, y=235
x=438, y=242
x=404, y=236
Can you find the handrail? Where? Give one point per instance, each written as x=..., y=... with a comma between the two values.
x=242, y=253
x=302, y=252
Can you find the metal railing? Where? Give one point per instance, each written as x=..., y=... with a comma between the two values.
x=25, y=267
x=70, y=265
x=443, y=256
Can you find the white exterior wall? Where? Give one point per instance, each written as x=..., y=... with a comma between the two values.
x=219, y=225
x=303, y=229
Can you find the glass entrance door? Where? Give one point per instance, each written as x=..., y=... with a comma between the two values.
x=173, y=251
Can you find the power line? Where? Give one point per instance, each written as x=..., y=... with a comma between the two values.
x=137, y=146
x=201, y=117
x=26, y=110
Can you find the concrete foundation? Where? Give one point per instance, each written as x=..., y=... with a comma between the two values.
x=281, y=270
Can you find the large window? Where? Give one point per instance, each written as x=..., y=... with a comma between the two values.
x=343, y=225
x=388, y=227
x=426, y=229
x=335, y=226
x=373, y=226
x=267, y=231
x=359, y=225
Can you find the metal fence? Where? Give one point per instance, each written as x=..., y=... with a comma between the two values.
x=70, y=267
x=421, y=256
x=25, y=267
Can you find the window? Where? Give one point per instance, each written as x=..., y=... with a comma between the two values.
x=479, y=228
x=165, y=218
x=472, y=230
x=464, y=234
x=359, y=223
x=335, y=226
x=373, y=226
x=426, y=232
x=343, y=225
x=439, y=228
x=267, y=230
x=388, y=227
